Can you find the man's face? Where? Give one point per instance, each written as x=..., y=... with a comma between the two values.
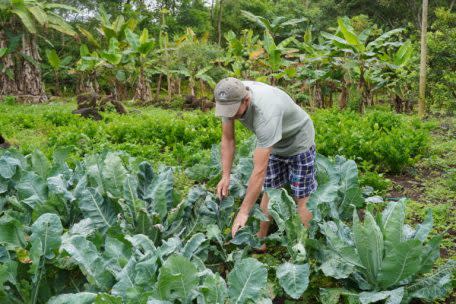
x=242, y=108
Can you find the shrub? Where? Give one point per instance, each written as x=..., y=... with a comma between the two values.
x=390, y=142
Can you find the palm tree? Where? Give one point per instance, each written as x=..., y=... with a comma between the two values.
x=22, y=20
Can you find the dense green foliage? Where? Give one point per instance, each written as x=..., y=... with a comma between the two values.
x=386, y=141
x=112, y=229
x=380, y=141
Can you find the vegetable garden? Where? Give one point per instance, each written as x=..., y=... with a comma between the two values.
x=110, y=154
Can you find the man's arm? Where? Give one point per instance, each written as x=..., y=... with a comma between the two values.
x=227, y=151
x=260, y=166
x=228, y=147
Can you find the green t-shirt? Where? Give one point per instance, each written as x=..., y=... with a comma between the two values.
x=277, y=121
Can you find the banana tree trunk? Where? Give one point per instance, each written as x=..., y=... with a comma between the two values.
x=343, y=96
x=191, y=85
x=202, y=88
x=398, y=104
x=157, y=94
x=362, y=88
x=8, y=84
x=29, y=79
x=178, y=80
x=318, y=96
x=143, y=92
x=58, y=89
x=169, y=80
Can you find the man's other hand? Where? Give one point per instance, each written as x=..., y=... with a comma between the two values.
x=223, y=187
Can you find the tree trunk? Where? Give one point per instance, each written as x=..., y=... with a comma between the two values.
x=29, y=80
x=58, y=89
x=169, y=81
x=191, y=85
x=219, y=23
x=318, y=96
x=398, y=104
x=179, y=86
x=343, y=96
x=362, y=88
x=157, y=94
x=143, y=92
x=8, y=85
x=202, y=88
x=422, y=84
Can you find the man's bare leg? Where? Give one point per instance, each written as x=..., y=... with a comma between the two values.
x=264, y=226
x=304, y=213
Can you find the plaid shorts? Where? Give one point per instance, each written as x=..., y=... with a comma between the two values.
x=297, y=170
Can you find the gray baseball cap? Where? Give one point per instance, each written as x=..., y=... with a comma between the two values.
x=228, y=94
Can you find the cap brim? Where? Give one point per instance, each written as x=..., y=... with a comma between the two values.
x=226, y=110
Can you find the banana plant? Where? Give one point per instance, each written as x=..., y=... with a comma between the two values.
x=277, y=26
x=195, y=75
x=386, y=258
x=275, y=62
x=57, y=65
x=365, y=54
x=86, y=69
x=109, y=29
x=242, y=53
x=24, y=20
x=397, y=73
x=139, y=53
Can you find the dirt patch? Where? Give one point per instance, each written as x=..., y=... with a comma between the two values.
x=406, y=185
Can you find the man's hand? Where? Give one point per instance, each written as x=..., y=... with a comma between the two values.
x=239, y=222
x=223, y=187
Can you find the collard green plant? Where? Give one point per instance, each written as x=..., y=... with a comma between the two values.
x=384, y=257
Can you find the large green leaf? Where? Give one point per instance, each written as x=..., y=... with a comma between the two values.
x=392, y=296
x=193, y=245
x=53, y=58
x=349, y=35
x=246, y=281
x=114, y=174
x=8, y=165
x=58, y=185
x=178, y=279
x=431, y=252
x=333, y=295
x=393, y=218
x=214, y=289
x=59, y=24
x=125, y=286
x=74, y=298
x=26, y=19
x=95, y=207
x=32, y=189
x=403, y=54
x=47, y=231
x=3, y=51
x=401, y=261
x=336, y=267
x=89, y=260
x=369, y=244
x=132, y=39
x=159, y=192
x=293, y=278
x=39, y=14
x=423, y=229
x=12, y=233
x=436, y=285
